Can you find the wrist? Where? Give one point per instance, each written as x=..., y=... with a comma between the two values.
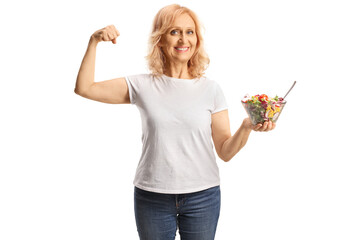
x=247, y=125
x=93, y=41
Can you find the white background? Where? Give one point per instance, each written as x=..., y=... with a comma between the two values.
x=67, y=163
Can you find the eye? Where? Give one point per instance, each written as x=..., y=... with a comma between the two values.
x=190, y=32
x=174, y=32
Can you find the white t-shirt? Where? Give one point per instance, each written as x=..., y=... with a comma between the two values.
x=177, y=153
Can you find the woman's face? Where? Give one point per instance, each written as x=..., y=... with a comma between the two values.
x=179, y=42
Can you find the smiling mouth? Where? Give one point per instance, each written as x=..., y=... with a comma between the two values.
x=181, y=49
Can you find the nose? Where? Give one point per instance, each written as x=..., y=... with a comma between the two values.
x=182, y=37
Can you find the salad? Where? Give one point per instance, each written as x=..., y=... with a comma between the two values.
x=261, y=108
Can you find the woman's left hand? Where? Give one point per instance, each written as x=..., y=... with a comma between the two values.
x=265, y=127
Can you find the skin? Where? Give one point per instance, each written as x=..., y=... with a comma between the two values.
x=181, y=34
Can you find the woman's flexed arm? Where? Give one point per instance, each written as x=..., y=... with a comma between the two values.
x=110, y=91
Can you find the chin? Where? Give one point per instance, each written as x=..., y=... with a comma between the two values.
x=181, y=60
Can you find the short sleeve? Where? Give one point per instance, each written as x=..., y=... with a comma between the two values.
x=220, y=103
x=134, y=83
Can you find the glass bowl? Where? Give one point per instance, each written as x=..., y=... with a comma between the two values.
x=265, y=111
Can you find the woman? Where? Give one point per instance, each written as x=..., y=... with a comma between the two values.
x=177, y=179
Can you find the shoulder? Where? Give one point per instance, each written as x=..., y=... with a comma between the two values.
x=210, y=80
x=212, y=83
x=143, y=76
x=206, y=80
x=139, y=79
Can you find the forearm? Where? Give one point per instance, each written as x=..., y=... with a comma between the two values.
x=86, y=73
x=236, y=142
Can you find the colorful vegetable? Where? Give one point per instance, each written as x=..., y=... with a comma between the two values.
x=261, y=108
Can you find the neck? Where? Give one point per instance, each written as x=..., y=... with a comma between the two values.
x=177, y=70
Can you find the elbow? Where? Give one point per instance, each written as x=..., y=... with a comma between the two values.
x=224, y=154
x=82, y=90
x=78, y=92
x=226, y=159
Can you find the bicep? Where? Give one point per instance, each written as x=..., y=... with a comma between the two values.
x=115, y=91
x=220, y=127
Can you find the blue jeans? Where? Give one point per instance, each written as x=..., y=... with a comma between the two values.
x=158, y=215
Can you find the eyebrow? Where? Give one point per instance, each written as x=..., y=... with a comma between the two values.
x=180, y=27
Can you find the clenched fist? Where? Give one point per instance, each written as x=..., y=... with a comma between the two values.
x=108, y=33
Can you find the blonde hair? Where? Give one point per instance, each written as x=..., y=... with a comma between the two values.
x=162, y=22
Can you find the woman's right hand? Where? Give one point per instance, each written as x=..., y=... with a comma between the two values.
x=108, y=33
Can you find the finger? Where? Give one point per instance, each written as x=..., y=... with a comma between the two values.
x=113, y=36
x=110, y=36
x=263, y=128
x=104, y=36
x=269, y=126
x=257, y=127
x=274, y=125
x=114, y=41
x=112, y=29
